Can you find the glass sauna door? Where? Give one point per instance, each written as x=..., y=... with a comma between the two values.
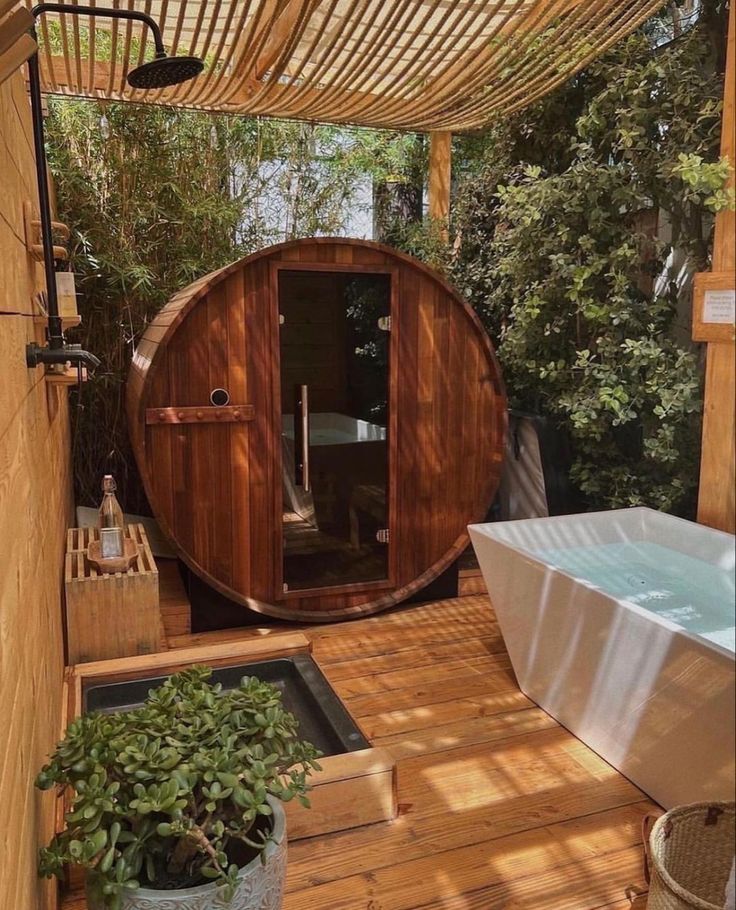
x=334, y=401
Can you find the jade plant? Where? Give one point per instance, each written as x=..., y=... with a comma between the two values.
x=162, y=795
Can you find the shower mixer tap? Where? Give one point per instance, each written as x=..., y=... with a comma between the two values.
x=68, y=353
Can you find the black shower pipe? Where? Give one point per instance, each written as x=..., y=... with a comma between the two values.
x=57, y=350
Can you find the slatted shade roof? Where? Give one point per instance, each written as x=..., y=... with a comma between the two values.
x=403, y=64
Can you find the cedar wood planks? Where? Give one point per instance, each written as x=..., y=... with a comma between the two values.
x=35, y=508
x=716, y=495
x=446, y=428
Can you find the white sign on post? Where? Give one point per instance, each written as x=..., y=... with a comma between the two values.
x=719, y=307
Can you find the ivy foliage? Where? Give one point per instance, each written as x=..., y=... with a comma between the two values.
x=558, y=253
x=163, y=793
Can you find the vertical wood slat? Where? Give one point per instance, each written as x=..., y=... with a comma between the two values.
x=238, y=388
x=162, y=440
x=407, y=466
x=200, y=494
x=717, y=492
x=421, y=508
x=393, y=379
x=218, y=439
x=265, y=437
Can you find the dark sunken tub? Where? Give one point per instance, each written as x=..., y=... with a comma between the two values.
x=323, y=719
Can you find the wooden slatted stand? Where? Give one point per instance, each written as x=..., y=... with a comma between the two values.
x=110, y=615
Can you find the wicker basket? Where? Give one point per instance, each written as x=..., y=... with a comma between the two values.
x=689, y=855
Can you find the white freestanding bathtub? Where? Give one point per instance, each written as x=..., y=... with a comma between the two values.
x=621, y=626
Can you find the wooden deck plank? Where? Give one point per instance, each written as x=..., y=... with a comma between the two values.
x=547, y=747
x=408, y=658
x=421, y=717
x=499, y=806
x=414, y=836
x=456, y=619
x=498, y=868
x=466, y=732
x=391, y=680
x=581, y=885
x=434, y=692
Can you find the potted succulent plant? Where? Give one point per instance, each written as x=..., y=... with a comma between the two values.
x=177, y=803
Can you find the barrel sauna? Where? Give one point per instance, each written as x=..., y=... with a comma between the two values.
x=316, y=425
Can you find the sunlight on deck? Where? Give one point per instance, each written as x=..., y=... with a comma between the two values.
x=498, y=805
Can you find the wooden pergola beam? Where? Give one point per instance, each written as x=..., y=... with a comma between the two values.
x=716, y=503
x=280, y=32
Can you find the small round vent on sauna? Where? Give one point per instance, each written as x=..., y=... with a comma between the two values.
x=316, y=425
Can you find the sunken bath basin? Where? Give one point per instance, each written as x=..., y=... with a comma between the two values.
x=323, y=719
x=621, y=626
x=356, y=783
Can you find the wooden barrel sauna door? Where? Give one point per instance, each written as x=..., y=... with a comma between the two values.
x=316, y=425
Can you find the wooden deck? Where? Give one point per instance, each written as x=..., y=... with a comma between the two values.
x=500, y=807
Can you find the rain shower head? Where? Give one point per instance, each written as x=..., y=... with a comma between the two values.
x=160, y=72
x=165, y=71
x=157, y=73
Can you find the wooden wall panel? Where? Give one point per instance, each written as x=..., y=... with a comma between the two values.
x=35, y=509
x=446, y=452
x=199, y=466
x=264, y=437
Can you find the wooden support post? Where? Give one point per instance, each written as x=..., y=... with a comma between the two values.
x=716, y=505
x=440, y=169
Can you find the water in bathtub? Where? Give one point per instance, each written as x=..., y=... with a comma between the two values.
x=694, y=594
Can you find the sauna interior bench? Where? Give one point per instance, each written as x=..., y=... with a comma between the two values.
x=499, y=806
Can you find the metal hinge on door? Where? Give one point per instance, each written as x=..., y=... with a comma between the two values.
x=382, y=535
x=384, y=323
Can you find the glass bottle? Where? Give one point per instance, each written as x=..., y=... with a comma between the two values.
x=111, y=520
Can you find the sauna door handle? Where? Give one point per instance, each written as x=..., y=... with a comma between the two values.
x=301, y=436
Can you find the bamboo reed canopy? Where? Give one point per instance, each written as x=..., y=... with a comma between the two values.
x=402, y=64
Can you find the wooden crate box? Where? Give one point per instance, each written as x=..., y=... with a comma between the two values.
x=110, y=615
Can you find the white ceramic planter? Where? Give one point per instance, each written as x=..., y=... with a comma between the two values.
x=261, y=883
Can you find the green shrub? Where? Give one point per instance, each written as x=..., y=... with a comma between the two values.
x=556, y=251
